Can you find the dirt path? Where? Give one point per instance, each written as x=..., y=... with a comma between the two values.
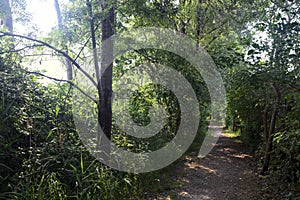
x=227, y=172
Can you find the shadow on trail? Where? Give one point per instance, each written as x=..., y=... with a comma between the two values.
x=227, y=172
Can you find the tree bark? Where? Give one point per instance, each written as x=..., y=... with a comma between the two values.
x=105, y=114
x=269, y=144
x=103, y=75
x=7, y=20
x=60, y=26
x=265, y=120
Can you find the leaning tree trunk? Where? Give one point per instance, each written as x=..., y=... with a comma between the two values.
x=269, y=143
x=60, y=26
x=265, y=120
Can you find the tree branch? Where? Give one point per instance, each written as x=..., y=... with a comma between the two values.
x=66, y=81
x=82, y=48
x=55, y=49
x=21, y=49
x=93, y=36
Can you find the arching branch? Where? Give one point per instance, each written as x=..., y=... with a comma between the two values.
x=54, y=49
x=66, y=81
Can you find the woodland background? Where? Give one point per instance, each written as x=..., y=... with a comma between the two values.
x=255, y=45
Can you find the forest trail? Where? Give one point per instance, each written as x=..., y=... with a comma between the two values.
x=227, y=172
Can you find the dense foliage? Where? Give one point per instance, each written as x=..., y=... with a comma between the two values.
x=255, y=46
x=264, y=94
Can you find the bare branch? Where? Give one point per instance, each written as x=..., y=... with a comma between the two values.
x=82, y=48
x=55, y=49
x=62, y=80
x=37, y=54
x=21, y=49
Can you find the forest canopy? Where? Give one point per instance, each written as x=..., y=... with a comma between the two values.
x=253, y=44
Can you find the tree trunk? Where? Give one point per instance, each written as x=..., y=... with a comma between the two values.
x=234, y=127
x=103, y=75
x=7, y=20
x=105, y=109
x=60, y=26
x=271, y=131
x=265, y=120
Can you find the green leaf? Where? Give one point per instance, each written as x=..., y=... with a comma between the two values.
x=256, y=46
x=127, y=181
x=50, y=133
x=34, y=78
x=73, y=167
x=57, y=108
x=81, y=164
x=250, y=52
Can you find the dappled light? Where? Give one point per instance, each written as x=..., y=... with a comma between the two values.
x=149, y=99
